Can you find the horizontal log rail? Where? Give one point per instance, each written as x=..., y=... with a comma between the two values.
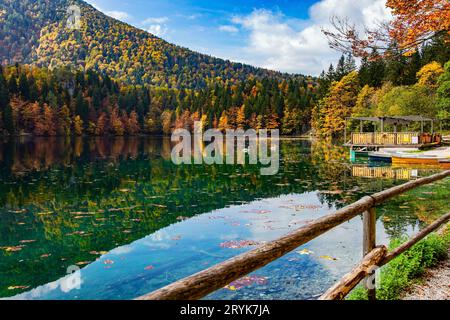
x=422, y=234
x=216, y=277
x=351, y=279
x=377, y=258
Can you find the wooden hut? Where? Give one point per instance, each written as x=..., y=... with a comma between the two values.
x=400, y=136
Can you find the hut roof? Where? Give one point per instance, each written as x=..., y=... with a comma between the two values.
x=394, y=119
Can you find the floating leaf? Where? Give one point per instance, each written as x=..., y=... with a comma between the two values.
x=257, y=211
x=328, y=258
x=331, y=192
x=18, y=287
x=12, y=248
x=150, y=267
x=46, y=255
x=158, y=205
x=246, y=281
x=97, y=253
x=236, y=244
x=107, y=261
x=27, y=241
x=305, y=252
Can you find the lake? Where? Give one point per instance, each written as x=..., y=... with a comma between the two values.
x=133, y=222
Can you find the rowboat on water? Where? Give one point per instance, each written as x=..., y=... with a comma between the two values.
x=445, y=164
x=417, y=159
x=380, y=157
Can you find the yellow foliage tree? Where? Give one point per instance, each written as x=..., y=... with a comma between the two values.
x=223, y=121
x=78, y=125
x=429, y=74
x=241, y=122
x=339, y=104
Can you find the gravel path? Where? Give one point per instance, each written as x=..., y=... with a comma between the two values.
x=435, y=284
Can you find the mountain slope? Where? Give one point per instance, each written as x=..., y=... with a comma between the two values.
x=35, y=32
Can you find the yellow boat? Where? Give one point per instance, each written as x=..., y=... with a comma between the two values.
x=416, y=160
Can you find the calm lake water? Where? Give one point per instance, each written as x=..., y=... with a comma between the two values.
x=134, y=222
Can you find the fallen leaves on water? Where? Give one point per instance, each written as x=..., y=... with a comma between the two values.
x=245, y=282
x=12, y=248
x=176, y=238
x=158, y=205
x=98, y=253
x=150, y=267
x=328, y=258
x=257, y=211
x=307, y=207
x=107, y=261
x=82, y=213
x=331, y=191
x=78, y=233
x=18, y=211
x=82, y=263
x=18, y=287
x=237, y=244
x=27, y=241
x=46, y=255
x=305, y=252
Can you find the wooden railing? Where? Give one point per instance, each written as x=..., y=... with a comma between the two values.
x=207, y=281
x=385, y=138
x=383, y=173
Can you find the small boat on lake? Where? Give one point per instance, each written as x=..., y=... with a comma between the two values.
x=417, y=159
x=380, y=157
x=445, y=164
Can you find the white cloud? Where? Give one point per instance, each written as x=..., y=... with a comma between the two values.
x=229, y=28
x=157, y=29
x=119, y=15
x=156, y=25
x=194, y=16
x=279, y=43
x=157, y=20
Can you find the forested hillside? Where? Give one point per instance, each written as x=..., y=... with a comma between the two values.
x=62, y=102
x=36, y=32
x=391, y=84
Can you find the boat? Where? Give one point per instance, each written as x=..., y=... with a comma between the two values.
x=355, y=154
x=416, y=159
x=445, y=163
x=380, y=157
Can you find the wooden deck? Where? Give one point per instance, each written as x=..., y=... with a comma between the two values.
x=392, y=140
x=386, y=139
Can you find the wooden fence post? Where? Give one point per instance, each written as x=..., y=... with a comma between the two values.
x=369, y=243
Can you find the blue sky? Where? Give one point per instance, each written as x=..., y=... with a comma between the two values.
x=283, y=35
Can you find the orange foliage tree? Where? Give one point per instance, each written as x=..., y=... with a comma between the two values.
x=414, y=23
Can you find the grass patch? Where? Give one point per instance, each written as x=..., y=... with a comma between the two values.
x=401, y=272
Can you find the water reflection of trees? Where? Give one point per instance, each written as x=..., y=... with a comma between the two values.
x=79, y=196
